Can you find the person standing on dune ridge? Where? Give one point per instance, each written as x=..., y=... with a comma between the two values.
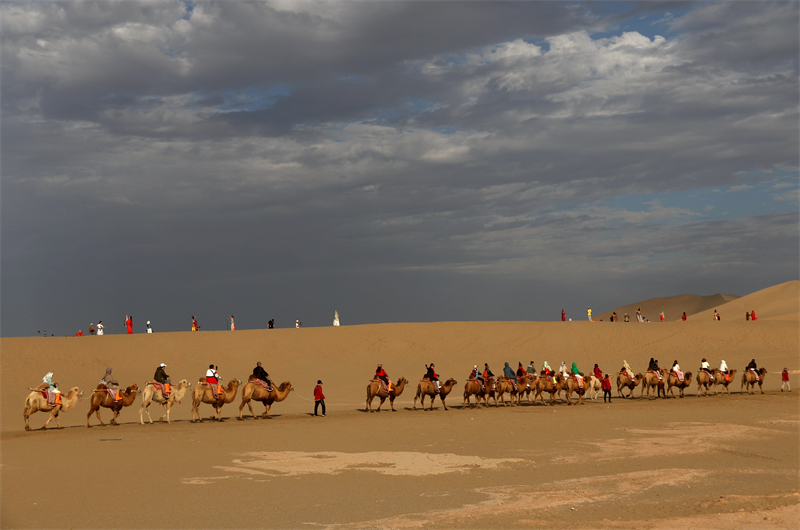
x=589, y=313
x=129, y=324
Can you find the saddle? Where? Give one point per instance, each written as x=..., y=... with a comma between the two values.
x=382, y=386
x=216, y=390
x=264, y=384
x=754, y=373
x=579, y=380
x=166, y=389
x=53, y=398
x=113, y=393
x=657, y=374
x=679, y=375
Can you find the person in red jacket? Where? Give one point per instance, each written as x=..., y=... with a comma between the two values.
x=381, y=374
x=606, y=385
x=598, y=373
x=129, y=324
x=563, y=316
x=753, y=315
x=319, y=398
x=785, y=379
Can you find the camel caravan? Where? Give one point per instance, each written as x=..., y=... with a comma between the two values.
x=569, y=386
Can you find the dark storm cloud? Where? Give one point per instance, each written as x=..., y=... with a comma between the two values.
x=395, y=161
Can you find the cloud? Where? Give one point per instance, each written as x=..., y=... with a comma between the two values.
x=445, y=152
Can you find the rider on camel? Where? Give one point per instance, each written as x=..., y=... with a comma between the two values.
x=753, y=368
x=706, y=368
x=433, y=377
x=676, y=368
x=213, y=378
x=262, y=375
x=598, y=373
x=110, y=383
x=162, y=377
x=653, y=367
x=522, y=373
x=723, y=368
x=576, y=374
x=381, y=374
x=508, y=372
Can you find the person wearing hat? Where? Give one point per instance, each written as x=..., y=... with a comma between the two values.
x=100, y=327
x=433, y=377
x=149, y=329
x=162, y=377
x=319, y=398
x=91, y=328
x=110, y=383
x=785, y=379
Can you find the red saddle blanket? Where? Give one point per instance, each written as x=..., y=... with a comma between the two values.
x=52, y=398
x=579, y=380
x=263, y=383
x=217, y=390
x=166, y=389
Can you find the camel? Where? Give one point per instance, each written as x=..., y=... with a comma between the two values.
x=374, y=390
x=719, y=379
x=425, y=388
x=651, y=381
x=623, y=381
x=150, y=394
x=473, y=387
x=101, y=398
x=672, y=381
x=571, y=385
x=202, y=394
x=35, y=402
x=525, y=387
x=593, y=386
x=503, y=386
x=749, y=380
x=545, y=384
x=253, y=391
x=704, y=382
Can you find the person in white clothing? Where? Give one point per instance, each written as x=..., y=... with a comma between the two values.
x=100, y=328
x=149, y=329
x=563, y=370
x=335, y=318
x=297, y=323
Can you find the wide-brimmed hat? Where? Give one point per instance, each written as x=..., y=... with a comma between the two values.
x=163, y=365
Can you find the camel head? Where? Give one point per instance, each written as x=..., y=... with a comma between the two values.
x=185, y=382
x=134, y=388
x=451, y=381
x=402, y=381
x=75, y=391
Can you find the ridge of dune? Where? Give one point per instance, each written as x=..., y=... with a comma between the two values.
x=672, y=306
x=778, y=302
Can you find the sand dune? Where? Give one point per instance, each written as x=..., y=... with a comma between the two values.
x=779, y=302
x=539, y=466
x=672, y=306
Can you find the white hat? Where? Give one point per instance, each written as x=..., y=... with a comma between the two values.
x=163, y=365
x=148, y=321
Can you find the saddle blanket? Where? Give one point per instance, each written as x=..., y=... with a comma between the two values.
x=166, y=389
x=679, y=375
x=113, y=393
x=263, y=383
x=216, y=390
x=53, y=398
x=579, y=380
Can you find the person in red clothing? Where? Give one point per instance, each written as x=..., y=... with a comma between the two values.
x=381, y=374
x=212, y=377
x=319, y=398
x=683, y=317
x=563, y=316
x=785, y=379
x=129, y=324
x=598, y=373
x=606, y=385
x=433, y=377
x=753, y=315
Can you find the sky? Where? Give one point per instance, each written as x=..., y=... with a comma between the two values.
x=393, y=161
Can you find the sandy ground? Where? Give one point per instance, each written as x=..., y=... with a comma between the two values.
x=700, y=462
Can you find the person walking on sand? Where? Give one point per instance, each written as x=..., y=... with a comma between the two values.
x=129, y=324
x=91, y=329
x=149, y=329
x=297, y=324
x=661, y=314
x=233, y=326
x=563, y=316
x=716, y=315
x=100, y=327
x=195, y=326
x=589, y=313
x=753, y=315
x=747, y=315
x=785, y=379
x=606, y=386
x=683, y=317
x=626, y=318
x=319, y=398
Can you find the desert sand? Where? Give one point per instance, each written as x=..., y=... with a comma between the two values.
x=719, y=461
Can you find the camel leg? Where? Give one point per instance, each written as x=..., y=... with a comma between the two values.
x=391, y=403
x=380, y=404
x=250, y=406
